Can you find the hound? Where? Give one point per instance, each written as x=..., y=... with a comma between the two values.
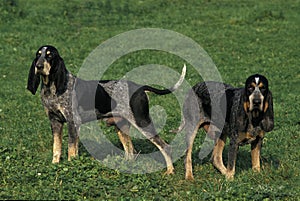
x=246, y=114
x=74, y=101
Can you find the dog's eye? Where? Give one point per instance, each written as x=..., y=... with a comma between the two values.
x=251, y=88
x=49, y=54
x=39, y=53
x=262, y=89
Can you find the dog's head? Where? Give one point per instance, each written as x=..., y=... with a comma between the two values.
x=256, y=94
x=50, y=66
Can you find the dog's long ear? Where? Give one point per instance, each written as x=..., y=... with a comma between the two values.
x=267, y=123
x=246, y=103
x=33, y=79
x=60, y=78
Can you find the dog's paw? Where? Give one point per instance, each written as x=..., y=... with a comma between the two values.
x=189, y=177
x=170, y=171
x=229, y=176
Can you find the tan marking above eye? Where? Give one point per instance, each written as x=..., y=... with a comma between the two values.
x=261, y=85
x=40, y=51
x=253, y=84
x=48, y=52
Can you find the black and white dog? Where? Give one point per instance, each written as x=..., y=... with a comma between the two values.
x=74, y=101
x=246, y=114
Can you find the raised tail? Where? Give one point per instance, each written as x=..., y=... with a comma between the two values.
x=170, y=90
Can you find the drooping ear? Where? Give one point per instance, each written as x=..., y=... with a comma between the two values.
x=268, y=102
x=267, y=123
x=33, y=79
x=246, y=103
x=60, y=78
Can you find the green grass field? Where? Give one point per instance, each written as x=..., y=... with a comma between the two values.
x=242, y=38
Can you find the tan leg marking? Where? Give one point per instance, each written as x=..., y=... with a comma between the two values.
x=217, y=155
x=73, y=149
x=57, y=146
x=188, y=157
x=126, y=141
x=166, y=152
x=188, y=163
x=230, y=175
x=232, y=155
x=57, y=130
x=255, y=155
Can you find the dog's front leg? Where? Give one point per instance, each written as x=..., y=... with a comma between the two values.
x=57, y=128
x=73, y=140
x=255, y=154
x=232, y=154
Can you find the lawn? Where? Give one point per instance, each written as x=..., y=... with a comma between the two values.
x=241, y=37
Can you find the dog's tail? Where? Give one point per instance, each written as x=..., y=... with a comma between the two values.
x=170, y=90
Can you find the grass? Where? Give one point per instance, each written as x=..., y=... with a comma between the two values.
x=242, y=38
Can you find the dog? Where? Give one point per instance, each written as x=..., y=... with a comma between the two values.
x=246, y=114
x=68, y=99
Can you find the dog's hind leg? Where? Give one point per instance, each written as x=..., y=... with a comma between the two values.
x=123, y=129
x=190, y=137
x=166, y=152
x=150, y=133
x=123, y=134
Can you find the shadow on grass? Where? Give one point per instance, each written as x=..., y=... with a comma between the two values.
x=113, y=156
x=243, y=161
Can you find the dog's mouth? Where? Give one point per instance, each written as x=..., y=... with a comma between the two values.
x=256, y=112
x=257, y=107
x=38, y=71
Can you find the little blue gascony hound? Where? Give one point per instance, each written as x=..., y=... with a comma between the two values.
x=71, y=100
x=247, y=114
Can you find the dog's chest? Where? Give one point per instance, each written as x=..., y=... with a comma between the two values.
x=249, y=136
x=245, y=138
x=60, y=106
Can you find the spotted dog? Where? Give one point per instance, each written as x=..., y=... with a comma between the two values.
x=243, y=114
x=74, y=101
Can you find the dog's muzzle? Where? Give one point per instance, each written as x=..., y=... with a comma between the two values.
x=39, y=66
x=42, y=67
x=256, y=100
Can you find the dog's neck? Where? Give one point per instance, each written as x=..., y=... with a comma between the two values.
x=45, y=79
x=51, y=86
x=255, y=118
x=48, y=87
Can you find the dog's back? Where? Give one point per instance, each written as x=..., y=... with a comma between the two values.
x=214, y=97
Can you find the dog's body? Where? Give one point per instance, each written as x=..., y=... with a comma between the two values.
x=74, y=101
x=248, y=115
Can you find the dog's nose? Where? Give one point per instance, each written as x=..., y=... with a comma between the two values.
x=39, y=66
x=256, y=101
